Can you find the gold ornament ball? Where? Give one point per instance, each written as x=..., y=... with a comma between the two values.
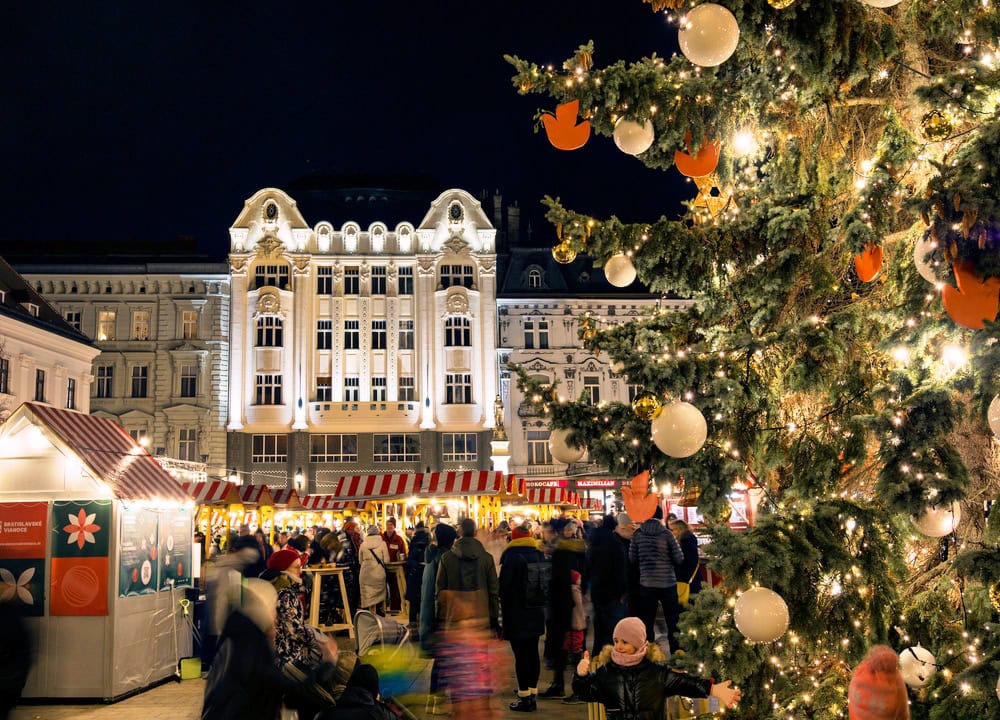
x=726, y=512
x=647, y=406
x=589, y=334
x=995, y=596
x=936, y=125
x=779, y=4
x=563, y=253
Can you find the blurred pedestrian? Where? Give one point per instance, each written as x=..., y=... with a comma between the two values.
x=374, y=556
x=396, y=545
x=569, y=555
x=16, y=655
x=689, y=571
x=443, y=539
x=608, y=580
x=414, y=572
x=523, y=612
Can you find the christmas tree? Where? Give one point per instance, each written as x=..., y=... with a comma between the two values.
x=841, y=354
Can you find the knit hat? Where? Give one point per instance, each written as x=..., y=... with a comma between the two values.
x=631, y=630
x=366, y=677
x=283, y=559
x=519, y=532
x=877, y=690
x=374, y=530
x=575, y=578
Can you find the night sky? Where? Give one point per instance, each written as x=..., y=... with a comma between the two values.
x=138, y=122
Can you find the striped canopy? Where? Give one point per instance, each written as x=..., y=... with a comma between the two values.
x=331, y=503
x=552, y=496
x=443, y=484
x=215, y=492
x=286, y=497
x=256, y=495
x=378, y=486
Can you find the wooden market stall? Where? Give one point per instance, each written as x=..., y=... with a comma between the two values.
x=99, y=537
x=219, y=507
x=544, y=503
x=288, y=508
x=258, y=509
x=329, y=510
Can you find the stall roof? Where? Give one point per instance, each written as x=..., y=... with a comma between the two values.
x=286, y=497
x=378, y=486
x=321, y=503
x=256, y=495
x=109, y=453
x=471, y=482
x=214, y=492
x=552, y=496
x=390, y=487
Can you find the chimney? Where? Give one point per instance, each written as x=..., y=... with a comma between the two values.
x=498, y=210
x=513, y=224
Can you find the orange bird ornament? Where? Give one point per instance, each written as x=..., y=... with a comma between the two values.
x=640, y=504
x=974, y=300
x=562, y=129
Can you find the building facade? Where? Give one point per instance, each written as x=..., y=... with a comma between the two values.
x=360, y=348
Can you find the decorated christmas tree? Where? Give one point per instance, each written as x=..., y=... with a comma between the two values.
x=840, y=358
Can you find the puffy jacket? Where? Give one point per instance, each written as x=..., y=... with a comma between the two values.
x=639, y=692
x=372, y=571
x=657, y=552
x=519, y=621
x=415, y=565
x=466, y=567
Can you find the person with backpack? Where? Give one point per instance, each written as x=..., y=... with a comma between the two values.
x=524, y=578
x=658, y=553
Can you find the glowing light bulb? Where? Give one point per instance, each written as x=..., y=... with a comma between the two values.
x=744, y=143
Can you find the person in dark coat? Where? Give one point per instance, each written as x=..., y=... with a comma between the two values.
x=624, y=532
x=361, y=700
x=569, y=554
x=246, y=542
x=415, y=570
x=608, y=580
x=16, y=652
x=656, y=550
x=688, y=571
x=444, y=539
x=522, y=625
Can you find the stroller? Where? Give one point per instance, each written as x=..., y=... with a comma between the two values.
x=385, y=644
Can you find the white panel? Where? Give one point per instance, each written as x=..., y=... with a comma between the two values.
x=405, y=363
x=378, y=306
x=144, y=640
x=458, y=358
x=351, y=306
x=352, y=364
x=325, y=305
x=324, y=364
x=268, y=359
x=406, y=305
x=378, y=363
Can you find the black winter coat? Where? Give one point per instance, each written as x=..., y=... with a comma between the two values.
x=608, y=567
x=519, y=622
x=689, y=546
x=415, y=564
x=639, y=692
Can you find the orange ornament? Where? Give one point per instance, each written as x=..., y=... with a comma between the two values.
x=640, y=504
x=869, y=263
x=974, y=300
x=701, y=164
x=562, y=129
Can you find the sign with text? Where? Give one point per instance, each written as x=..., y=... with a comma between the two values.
x=22, y=555
x=175, y=539
x=597, y=484
x=138, y=567
x=546, y=483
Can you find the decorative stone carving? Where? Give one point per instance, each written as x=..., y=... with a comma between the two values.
x=268, y=304
x=300, y=264
x=425, y=265
x=487, y=266
x=268, y=246
x=457, y=304
x=456, y=244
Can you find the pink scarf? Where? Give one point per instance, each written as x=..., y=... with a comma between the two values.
x=629, y=660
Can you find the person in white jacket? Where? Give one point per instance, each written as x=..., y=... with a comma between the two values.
x=374, y=555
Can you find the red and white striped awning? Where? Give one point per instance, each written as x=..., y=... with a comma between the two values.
x=110, y=454
x=286, y=497
x=552, y=496
x=378, y=486
x=443, y=484
x=516, y=486
x=331, y=503
x=470, y=482
x=256, y=495
x=214, y=492
x=592, y=503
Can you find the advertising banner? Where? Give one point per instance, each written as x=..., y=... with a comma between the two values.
x=175, y=540
x=81, y=532
x=138, y=566
x=22, y=555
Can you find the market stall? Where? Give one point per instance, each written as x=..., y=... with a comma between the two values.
x=329, y=511
x=258, y=508
x=287, y=508
x=219, y=507
x=544, y=503
x=99, y=539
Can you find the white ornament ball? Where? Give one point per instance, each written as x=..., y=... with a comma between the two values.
x=925, y=267
x=917, y=666
x=939, y=520
x=619, y=270
x=633, y=138
x=881, y=3
x=709, y=35
x=561, y=450
x=679, y=430
x=761, y=615
x=993, y=415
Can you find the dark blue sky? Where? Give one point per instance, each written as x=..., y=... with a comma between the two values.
x=146, y=121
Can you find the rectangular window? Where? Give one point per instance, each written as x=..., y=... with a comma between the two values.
x=189, y=382
x=352, y=335
x=269, y=331
x=324, y=334
x=105, y=381
x=536, y=334
x=459, y=447
x=404, y=281
x=138, y=436
x=592, y=389
x=378, y=389
x=538, y=448
x=352, y=389
x=633, y=392
x=529, y=334
x=397, y=448
x=324, y=390
x=140, y=325
x=106, y=324
x=271, y=275
x=268, y=390
x=458, y=389
x=407, y=389
x=405, y=334
x=457, y=332
x=4, y=375
x=40, y=385
x=72, y=319
x=71, y=394
x=543, y=334
x=324, y=281
x=140, y=381
x=378, y=280
x=269, y=449
x=189, y=325
x=187, y=444
x=352, y=281
x=378, y=335
x=458, y=275
x=333, y=448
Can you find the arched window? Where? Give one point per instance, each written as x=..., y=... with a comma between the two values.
x=534, y=278
x=457, y=332
x=269, y=331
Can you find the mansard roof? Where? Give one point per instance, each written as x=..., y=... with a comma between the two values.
x=18, y=294
x=580, y=278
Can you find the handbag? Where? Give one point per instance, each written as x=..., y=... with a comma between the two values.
x=684, y=588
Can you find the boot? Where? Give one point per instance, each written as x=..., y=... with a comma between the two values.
x=554, y=691
x=525, y=703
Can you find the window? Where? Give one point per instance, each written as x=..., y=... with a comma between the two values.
x=534, y=278
x=592, y=389
x=405, y=334
x=4, y=375
x=333, y=448
x=187, y=444
x=268, y=390
x=407, y=389
x=538, y=448
x=397, y=448
x=378, y=388
x=105, y=381
x=140, y=325
x=458, y=389
x=536, y=334
x=459, y=447
x=72, y=319
x=352, y=281
x=324, y=281
x=32, y=308
x=378, y=280
x=40, y=385
x=324, y=334
x=189, y=324
x=404, y=281
x=140, y=381
x=269, y=449
x=324, y=390
x=457, y=332
x=271, y=275
x=71, y=394
x=352, y=335
x=633, y=392
x=106, y=324
x=457, y=275
x=269, y=331
x=378, y=334
x=138, y=436
x=352, y=389
x=189, y=383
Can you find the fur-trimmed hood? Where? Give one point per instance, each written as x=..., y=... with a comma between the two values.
x=653, y=654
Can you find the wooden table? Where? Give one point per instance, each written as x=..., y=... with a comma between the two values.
x=398, y=570
x=317, y=579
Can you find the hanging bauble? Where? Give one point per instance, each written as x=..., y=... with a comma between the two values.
x=724, y=513
x=938, y=520
x=589, y=334
x=917, y=666
x=633, y=138
x=619, y=270
x=868, y=263
x=709, y=35
x=562, y=451
x=881, y=3
x=921, y=250
x=994, y=592
x=563, y=253
x=936, y=125
x=993, y=415
x=701, y=164
x=779, y=4
x=562, y=129
x=690, y=496
x=616, y=366
x=975, y=298
x=647, y=406
x=761, y=615
x=679, y=430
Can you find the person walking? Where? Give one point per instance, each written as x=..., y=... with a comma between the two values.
x=523, y=612
x=414, y=572
x=656, y=551
x=443, y=539
x=396, y=545
x=569, y=555
x=608, y=580
x=374, y=556
x=624, y=532
x=688, y=572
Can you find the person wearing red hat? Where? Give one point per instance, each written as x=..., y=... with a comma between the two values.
x=877, y=690
x=294, y=640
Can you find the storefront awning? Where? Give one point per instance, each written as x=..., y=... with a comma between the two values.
x=331, y=503
x=378, y=486
x=471, y=482
x=256, y=495
x=552, y=496
x=442, y=484
x=286, y=497
x=215, y=492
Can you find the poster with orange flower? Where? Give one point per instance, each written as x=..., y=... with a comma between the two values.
x=81, y=532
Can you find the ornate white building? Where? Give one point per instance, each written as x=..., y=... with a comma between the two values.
x=360, y=348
